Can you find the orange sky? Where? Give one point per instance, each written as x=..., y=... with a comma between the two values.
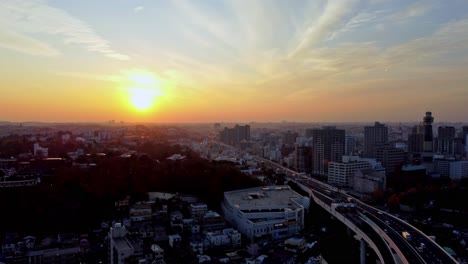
x=233, y=61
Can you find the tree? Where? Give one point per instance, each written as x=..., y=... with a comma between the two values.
x=393, y=201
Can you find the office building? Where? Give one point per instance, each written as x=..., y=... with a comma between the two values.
x=289, y=138
x=350, y=145
x=328, y=145
x=341, y=173
x=464, y=135
x=235, y=136
x=444, y=143
x=369, y=180
x=426, y=127
x=373, y=136
x=415, y=142
x=459, y=169
x=303, y=158
x=268, y=212
x=390, y=157
x=442, y=166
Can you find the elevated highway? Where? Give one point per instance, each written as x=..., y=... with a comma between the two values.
x=380, y=230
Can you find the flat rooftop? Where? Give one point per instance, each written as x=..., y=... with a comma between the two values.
x=270, y=196
x=122, y=244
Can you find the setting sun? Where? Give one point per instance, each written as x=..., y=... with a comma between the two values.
x=141, y=98
x=144, y=89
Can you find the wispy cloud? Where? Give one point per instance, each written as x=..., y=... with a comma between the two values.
x=36, y=17
x=332, y=18
x=415, y=9
x=138, y=9
x=21, y=43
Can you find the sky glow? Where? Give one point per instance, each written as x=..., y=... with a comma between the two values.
x=234, y=61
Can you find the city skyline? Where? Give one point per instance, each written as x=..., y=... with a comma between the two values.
x=233, y=61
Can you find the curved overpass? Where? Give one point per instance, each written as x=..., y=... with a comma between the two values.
x=382, y=231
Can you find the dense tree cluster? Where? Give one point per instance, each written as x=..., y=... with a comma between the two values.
x=77, y=199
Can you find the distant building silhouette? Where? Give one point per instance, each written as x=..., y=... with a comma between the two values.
x=426, y=127
x=415, y=141
x=444, y=143
x=464, y=135
x=234, y=136
x=350, y=145
x=303, y=155
x=328, y=145
x=390, y=157
x=374, y=135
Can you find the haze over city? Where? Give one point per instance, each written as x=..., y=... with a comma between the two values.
x=234, y=61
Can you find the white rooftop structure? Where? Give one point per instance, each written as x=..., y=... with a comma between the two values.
x=273, y=211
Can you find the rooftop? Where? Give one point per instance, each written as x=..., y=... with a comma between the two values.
x=278, y=196
x=413, y=167
x=122, y=243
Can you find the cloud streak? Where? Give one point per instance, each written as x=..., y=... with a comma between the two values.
x=36, y=17
x=138, y=9
x=21, y=43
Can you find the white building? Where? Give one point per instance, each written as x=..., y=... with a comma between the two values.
x=459, y=169
x=342, y=173
x=38, y=150
x=228, y=237
x=273, y=212
x=140, y=212
x=217, y=239
x=197, y=210
x=121, y=247
x=234, y=236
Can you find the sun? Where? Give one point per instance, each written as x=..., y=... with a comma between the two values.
x=142, y=99
x=144, y=90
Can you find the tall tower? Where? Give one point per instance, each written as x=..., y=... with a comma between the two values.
x=373, y=136
x=328, y=145
x=428, y=136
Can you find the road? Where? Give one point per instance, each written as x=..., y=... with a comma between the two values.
x=390, y=225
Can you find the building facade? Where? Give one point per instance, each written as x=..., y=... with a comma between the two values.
x=459, y=169
x=328, y=145
x=369, y=180
x=374, y=135
x=341, y=173
x=272, y=212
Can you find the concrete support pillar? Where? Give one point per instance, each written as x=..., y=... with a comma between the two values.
x=363, y=251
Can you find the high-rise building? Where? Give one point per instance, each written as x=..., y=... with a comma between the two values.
x=350, y=145
x=303, y=156
x=234, y=136
x=444, y=143
x=390, y=157
x=446, y=132
x=328, y=145
x=426, y=125
x=374, y=135
x=289, y=138
x=415, y=142
x=465, y=134
x=459, y=169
